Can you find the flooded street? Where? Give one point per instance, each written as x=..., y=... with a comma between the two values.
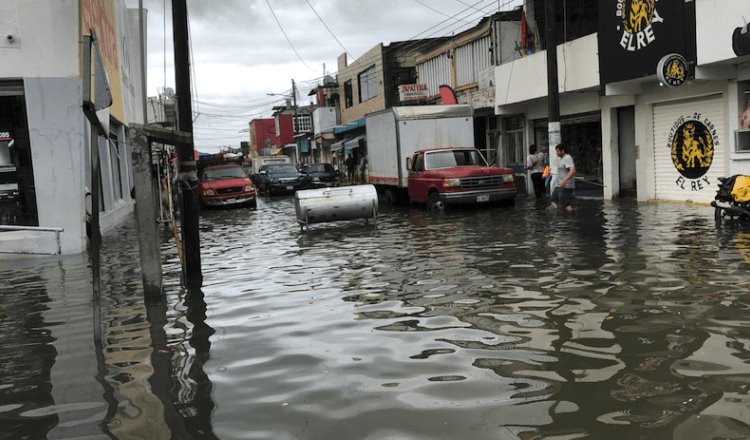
x=618, y=321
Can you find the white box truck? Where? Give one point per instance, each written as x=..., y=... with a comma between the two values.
x=428, y=153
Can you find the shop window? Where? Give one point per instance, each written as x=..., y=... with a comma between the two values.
x=742, y=141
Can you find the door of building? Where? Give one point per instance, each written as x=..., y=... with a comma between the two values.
x=689, y=149
x=626, y=149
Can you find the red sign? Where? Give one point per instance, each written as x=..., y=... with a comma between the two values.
x=413, y=92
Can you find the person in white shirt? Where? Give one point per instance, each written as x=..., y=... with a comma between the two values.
x=562, y=191
x=535, y=163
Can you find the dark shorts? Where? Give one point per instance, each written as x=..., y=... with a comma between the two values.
x=563, y=197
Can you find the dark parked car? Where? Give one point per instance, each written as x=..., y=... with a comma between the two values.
x=319, y=175
x=280, y=179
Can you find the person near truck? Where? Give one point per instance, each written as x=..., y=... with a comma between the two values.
x=562, y=192
x=362, y=168
x=535, y=162
x=350, y=167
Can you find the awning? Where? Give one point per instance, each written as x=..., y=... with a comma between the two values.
x=355, y=142
x=349, y=126
x=336, y=146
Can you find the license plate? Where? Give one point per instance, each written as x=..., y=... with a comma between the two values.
x=483, y=198
x=289, y=187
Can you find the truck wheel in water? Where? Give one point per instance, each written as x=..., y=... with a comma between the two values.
x=434, y=203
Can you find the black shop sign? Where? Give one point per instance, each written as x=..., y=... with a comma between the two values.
x=634, y=35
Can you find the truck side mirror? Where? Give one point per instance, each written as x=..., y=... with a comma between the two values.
x=408, y=163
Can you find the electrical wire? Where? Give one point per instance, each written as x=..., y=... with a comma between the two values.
x=436, y=10
x=285, y=35
x=326, y=26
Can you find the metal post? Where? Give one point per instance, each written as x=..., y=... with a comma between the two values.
x=186, y=178
x=294, y=123
x=553, y=99
x=142, y=41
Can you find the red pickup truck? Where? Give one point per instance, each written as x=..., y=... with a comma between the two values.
x=225, y=185
x=457, y=175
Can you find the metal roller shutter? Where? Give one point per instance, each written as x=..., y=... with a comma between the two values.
x=11, y=88
x=689, y=149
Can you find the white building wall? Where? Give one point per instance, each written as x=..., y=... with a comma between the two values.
x=324, y=119
x=715, y=22
x=526, y=78
x=45, y=52
x=45, y=38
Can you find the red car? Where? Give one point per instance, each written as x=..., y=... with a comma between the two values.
x=225, y=185
x=440, y=176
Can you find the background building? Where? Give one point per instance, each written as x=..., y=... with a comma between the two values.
x=40, y=111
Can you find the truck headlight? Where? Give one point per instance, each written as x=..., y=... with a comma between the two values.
x=451, y=183
x=508, y=178
x=248, y=188
x=209, y=192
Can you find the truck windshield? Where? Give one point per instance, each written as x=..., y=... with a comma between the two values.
x=453, y=158
x=221, y=173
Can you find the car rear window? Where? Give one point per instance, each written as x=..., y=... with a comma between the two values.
x=221, y=173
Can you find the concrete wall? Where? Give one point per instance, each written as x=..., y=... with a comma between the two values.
x=526, y=78
x=57, y=133
x=45, y=38
x=46, y=53
x=324, y=119
x=715, y=22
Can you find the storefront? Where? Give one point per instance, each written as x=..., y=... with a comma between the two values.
x=689, y=148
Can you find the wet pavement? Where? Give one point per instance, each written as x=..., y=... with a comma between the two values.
x=618, y=321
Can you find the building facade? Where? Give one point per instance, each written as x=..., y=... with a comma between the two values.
x=269, y=135
x=466, y=63
x=632, y=132
x=48, y=139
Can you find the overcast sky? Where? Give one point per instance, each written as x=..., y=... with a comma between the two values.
x=241, y=53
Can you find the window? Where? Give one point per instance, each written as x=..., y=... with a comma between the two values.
x=419, y=163
x=303, y=123
x=368, y=84
x=348, y=95
x=513, y=150
x=454, y=158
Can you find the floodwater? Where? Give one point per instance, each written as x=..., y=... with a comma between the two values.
x=618, y=321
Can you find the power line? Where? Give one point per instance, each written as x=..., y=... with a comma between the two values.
x=435, y=10
x=285, y=35
x=326, y=26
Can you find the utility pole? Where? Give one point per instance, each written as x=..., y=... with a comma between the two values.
x=294, y=122
x=553, y=98
x=186, y=177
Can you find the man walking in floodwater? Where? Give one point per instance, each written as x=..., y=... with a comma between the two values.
x=562, y=191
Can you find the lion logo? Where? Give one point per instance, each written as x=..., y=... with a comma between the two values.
x=692, y=149
x=638, y=15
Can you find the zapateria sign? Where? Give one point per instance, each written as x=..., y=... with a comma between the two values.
x=692, y=141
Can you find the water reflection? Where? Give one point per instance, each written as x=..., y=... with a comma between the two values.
x=621, y=320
